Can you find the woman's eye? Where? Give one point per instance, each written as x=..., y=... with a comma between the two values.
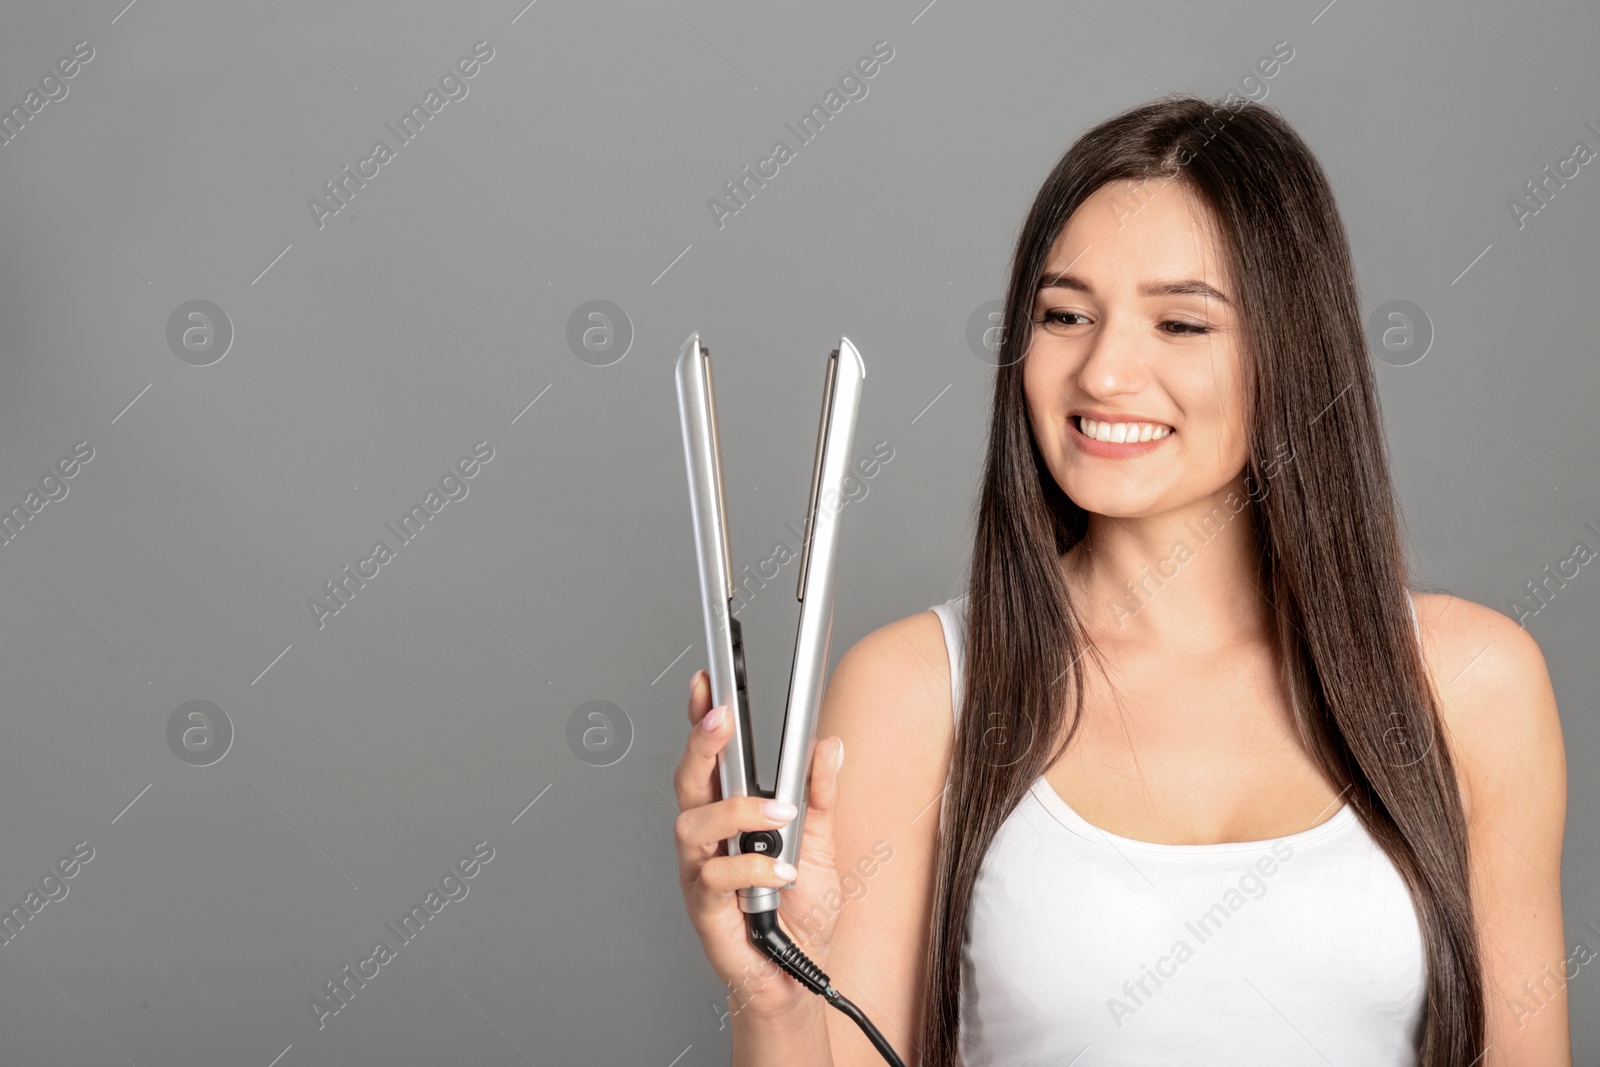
x=1057, y=317
x=1173, y=327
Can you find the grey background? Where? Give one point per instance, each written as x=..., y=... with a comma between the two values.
x=429, y=713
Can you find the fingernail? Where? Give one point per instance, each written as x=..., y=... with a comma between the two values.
x=713, y=719
x=785, y=871
x=840, y=762
x=778, y=809
x=693, y=680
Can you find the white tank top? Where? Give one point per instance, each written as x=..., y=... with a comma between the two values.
x=1087, y=949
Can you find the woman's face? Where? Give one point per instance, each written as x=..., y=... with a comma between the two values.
x=1132, y=375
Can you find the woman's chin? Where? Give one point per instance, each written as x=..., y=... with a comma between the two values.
x=1115, y=503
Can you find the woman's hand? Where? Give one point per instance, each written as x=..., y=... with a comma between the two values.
x=709, y=876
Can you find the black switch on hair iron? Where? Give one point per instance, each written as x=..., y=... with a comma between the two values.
x=736, y=767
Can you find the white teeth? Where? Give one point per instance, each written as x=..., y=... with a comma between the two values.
x=1120, y=432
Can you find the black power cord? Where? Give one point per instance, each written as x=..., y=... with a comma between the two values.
x=776, y=946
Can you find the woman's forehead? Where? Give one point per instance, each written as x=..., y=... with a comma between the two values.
x=1114, y=240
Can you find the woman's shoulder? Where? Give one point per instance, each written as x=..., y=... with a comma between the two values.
x=901, y=671
x=1495, y=697
x=889, y=701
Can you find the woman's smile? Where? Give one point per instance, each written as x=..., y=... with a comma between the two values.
x=1115, y=437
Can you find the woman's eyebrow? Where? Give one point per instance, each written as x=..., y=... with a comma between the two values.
x=1186, y=287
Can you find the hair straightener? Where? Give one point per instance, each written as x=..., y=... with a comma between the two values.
x=736, y=767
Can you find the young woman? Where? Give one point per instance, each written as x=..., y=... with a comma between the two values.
x=1186, y=775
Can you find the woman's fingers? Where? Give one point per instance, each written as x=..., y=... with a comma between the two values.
x=699, y=696
x=700, y=830
x=724, y=874
x=823, y=796
x=705, y=821
x=825, y=765
x=696, y=776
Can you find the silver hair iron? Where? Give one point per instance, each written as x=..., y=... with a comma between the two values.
x=736, y=768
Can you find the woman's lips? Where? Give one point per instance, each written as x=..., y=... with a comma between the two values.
x=1111, y=449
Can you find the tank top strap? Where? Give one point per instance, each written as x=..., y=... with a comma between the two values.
x=953, y=619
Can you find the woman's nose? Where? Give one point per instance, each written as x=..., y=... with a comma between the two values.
x=1112, y=362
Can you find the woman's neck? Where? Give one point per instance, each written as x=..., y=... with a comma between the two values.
x=1187, y=579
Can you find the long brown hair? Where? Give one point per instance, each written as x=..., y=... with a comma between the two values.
x=1332, y=561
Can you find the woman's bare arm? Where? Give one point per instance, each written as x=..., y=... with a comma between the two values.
x=1505, y=734
x=889, y=699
